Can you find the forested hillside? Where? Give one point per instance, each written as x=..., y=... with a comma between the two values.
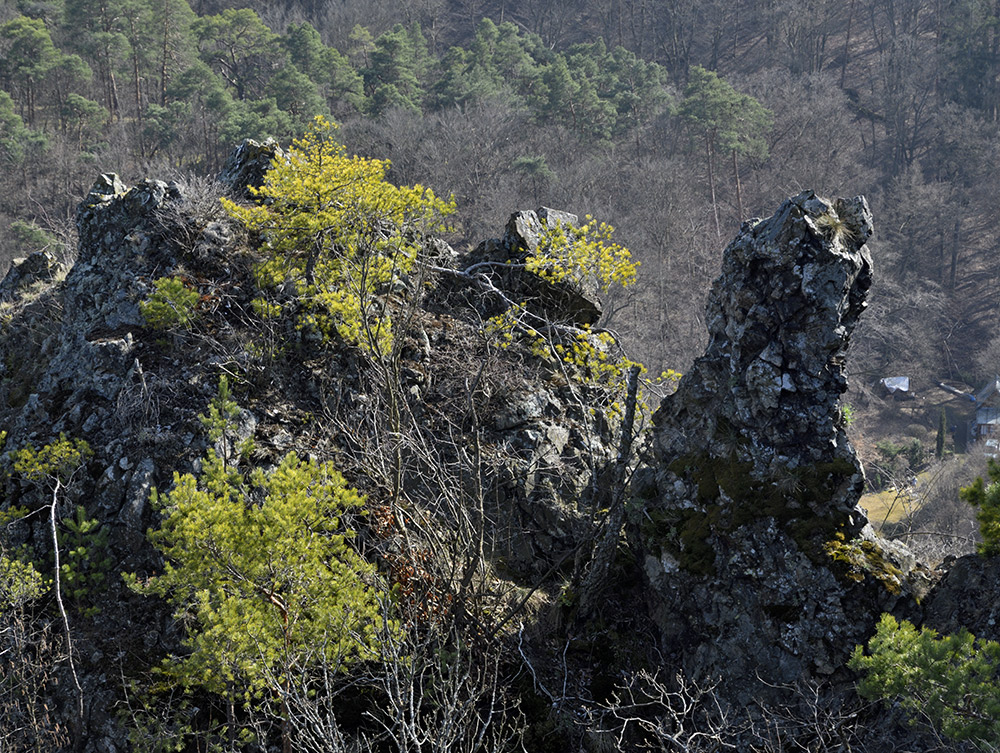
x=604, y=107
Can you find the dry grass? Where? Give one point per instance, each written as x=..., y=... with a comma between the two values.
x=889, y=506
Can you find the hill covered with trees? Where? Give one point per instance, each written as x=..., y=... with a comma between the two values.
x=672, y=124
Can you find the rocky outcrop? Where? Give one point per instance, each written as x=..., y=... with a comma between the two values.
x=755, y=564
x=968, y=596
x=747, y=518
x=77, y=357
x=40, y=266
x=247, y=165
x=567, y=301
x=779, y=319
x=74, y=358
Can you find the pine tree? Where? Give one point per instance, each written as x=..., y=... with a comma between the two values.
x=259, y=567
x=725, y=120
x=985, y=497
x=339, y=231
x=952, y=680
x=397, y=66
x=27, y=57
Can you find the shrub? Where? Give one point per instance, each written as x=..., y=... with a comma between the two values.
x=260, y=570
x=567, y=252
x=172, y=304
x=336, y=228
x=952, y=680
x=986, y=499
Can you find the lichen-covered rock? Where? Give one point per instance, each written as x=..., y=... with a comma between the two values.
x=567, y=301
x=779, y=317
x=40, y=266
x=522, y=233
x=749, y=530
x=968, y=596
x=247, y=165
x=73, y=373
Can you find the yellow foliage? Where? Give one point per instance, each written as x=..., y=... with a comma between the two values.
x=568, y=253
x=335, y=227
x=173, y=303
x=500, y=329
x=595, y=356
x=573, y=253
x=56, y=460
x=265, y=309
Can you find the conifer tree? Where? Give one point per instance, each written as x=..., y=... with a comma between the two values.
x=17, y=141
x=27, y=57
x=334, y=76
x=240, y=48
x=725, y=120
x=260, y=568
x=338, y=230
x=985, y=497
x=952, y=680
x=397, y=67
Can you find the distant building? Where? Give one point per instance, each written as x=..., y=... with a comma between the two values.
x=897, y=387
x=986, y=425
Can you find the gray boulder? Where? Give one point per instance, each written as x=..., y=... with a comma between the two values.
x=40, y=266
x=968, y=596
x=567, y=301
x=247, y=165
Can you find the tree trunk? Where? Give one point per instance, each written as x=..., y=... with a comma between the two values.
x=710, y=157
x=164, y=53
x=596, y=577
x=739, y=189
x=231, y=718
x=78, y=721
x=136, y=78
x=956, y=235
x=847, y=44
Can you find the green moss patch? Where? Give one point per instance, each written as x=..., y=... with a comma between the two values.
x=856, y=560
x=684, y=533
x=729, y=495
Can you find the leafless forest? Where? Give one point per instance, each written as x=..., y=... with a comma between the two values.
x=577, y=105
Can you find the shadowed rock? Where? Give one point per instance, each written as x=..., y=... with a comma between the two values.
x=566, y=301
x=780, y=317
x=248, y=164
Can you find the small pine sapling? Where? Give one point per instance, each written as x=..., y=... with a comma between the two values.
x=985, y=497
x=172, y=304
x=341, y=234
x=261, y=572
x=87, y=561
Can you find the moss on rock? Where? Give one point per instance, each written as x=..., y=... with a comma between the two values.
x=729, y=495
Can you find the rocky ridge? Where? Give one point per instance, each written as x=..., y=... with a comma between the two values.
x=745, y=556
x=79, y=360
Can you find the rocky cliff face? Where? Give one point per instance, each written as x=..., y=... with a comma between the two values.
x=747, y=520
x=968, y=596
x=72, y=352
x=779, y=317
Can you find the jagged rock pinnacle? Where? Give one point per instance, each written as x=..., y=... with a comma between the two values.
x=746, y=515
x=780, y=316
